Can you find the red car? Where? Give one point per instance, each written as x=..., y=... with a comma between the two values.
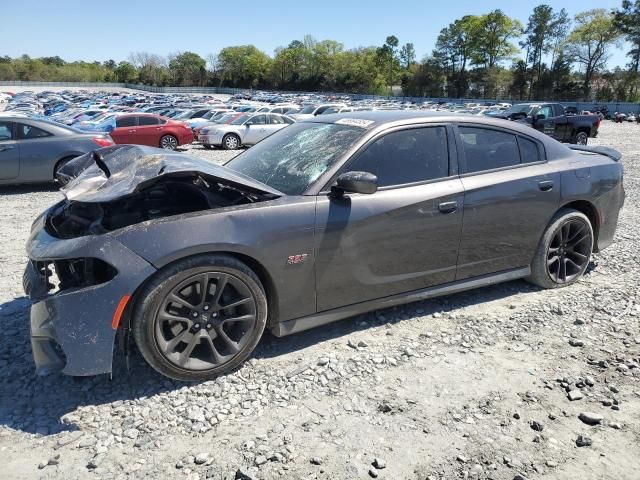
x=152, y=130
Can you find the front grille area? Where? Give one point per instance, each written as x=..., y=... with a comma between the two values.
x=60, y=275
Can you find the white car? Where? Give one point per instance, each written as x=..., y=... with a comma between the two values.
x=247, y=129
x=310, y=111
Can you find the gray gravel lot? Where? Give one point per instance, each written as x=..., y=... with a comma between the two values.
x=475, y=385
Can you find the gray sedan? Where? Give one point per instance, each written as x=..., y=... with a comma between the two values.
x=32, y=151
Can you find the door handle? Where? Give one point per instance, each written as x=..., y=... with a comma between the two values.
x=2, y=149
x=545, y=185
x=448, y=207
x=132, y=131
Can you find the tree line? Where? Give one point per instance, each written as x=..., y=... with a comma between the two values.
x=492, y=55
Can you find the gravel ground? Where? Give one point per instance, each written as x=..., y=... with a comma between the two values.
x=506, y=382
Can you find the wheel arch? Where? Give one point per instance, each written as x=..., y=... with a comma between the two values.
x=64, y=158
x=590, y=210
x=258, y=268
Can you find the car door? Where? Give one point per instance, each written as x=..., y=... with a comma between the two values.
x=39, y=150
x=148, y=131
x=274, y=123
x=554, y=122
x=402, y=238
x=126, y=129
x=562, y=125
x=511, y=193
x=255, y=129
x=9, y=152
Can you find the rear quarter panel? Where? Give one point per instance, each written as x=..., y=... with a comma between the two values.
x=38, y=157
x=598, y=180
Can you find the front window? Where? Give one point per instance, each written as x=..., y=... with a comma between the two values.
x=308, y=109
x=293, y=158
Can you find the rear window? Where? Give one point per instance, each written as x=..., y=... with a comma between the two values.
x=27, y=132
x=486, y=149
x=529, y=151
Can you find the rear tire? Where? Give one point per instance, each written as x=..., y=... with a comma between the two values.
x=219, y=329
x=230, y=141
x=564, y=251
x=62, y=180
x=581, y=138
x=169, y=142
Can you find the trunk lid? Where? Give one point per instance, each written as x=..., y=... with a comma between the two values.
x=613, y=154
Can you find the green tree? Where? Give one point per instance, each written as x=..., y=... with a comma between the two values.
x=627, y=20
x=243, y=66
x=188, y=69
x=126, y=73
x=408, y=55
x=590, y=41
x=545, y=30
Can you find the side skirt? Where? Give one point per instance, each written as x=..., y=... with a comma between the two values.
x=305, y=323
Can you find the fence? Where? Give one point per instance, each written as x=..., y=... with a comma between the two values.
x=624, y=107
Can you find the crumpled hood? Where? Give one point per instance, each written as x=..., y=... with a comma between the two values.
x=114, y=172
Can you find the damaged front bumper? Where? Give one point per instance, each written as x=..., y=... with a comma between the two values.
x=75, y=287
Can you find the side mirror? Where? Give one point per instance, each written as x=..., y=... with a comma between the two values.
x=355, y=182
x=540, y=116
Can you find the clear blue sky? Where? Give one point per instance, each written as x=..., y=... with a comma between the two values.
x=92, y=30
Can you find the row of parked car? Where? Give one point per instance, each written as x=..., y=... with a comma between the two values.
x=62, y=125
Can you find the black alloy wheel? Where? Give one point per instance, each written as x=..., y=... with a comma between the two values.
x=564, y=251
x=205, y=320
x=569, y=251
x=199, y=317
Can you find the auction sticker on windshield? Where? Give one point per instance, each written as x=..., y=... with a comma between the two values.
x=355, y=122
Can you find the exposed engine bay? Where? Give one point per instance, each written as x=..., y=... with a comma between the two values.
x=169, y=197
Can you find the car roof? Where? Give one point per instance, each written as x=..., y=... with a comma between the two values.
x=379, y=120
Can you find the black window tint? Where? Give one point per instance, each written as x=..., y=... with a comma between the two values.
x=27, y=131
x=558, y=110
x=5, y=131
x=145, y=121
x=487, y=149
x=126, y=122
x=528, y=150
x=406, y=156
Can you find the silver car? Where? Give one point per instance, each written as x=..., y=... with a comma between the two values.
x=247, y=129
x=32, y=151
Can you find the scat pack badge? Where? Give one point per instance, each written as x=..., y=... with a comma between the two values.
x=295, y=259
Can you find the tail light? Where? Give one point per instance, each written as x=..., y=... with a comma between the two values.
x=102, y=141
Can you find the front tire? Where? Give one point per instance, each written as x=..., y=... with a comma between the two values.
x=230, y=141
x=564, y=251
x=200, y=317
x=169, y=142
